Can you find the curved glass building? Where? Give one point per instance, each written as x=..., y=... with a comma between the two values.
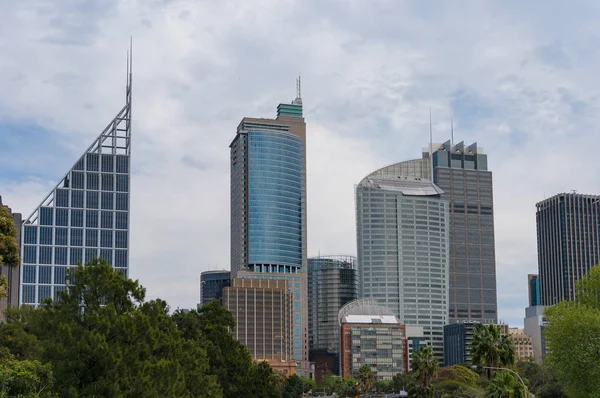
x=268, y=210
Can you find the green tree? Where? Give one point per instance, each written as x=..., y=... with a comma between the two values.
x=384, y=386
x=9, y=247
x=541, y=379
x=406, y=382
x=425, y=367
x=457, y=380
x=341, y=387
x=295, y=386
x=490, y=347
x=25, y=378
x=365, y=379
x=573, y=338
x=505, y=385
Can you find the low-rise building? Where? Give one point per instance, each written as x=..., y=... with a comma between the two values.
x=522, y=344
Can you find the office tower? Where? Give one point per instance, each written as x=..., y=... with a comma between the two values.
x=534, y=325
x=457, y=343
x=212, y=284
x=462, y=173
x=11, y=273
x=332, y=282
x=403, y=244
x=568, y=235
x=85, y=216
x=372, y=336
x=533, y=284
x=268, y=208
x=262, y=310
x=522, y=344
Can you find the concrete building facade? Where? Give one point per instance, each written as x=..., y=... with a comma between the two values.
x=332, y=283
x=262, y=309
x=268, y=209
x=535, y=323
x=372, y=336
x=403, y=249
x=522, y=344
x=11, y=273
x=568, y=234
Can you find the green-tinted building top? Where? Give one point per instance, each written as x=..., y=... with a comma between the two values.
x=293, y=110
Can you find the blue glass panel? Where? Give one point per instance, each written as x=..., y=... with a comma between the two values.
x=93, y=181
x=29, y=294
x=122, y=164
x=107, y=219
x=61, y=198
x=91, y=218
x=60, y=275
x=62, y=217
x=108, y=182
x=90, y=254
x=45, y=235
x=76, y=237
x=91, y=237
x=30, y=235
x=122, y=200
x=92, y=200
x=77, y=199
x=121, y=239
x=107, y=163
x=77, y=180
x=45, y=274
x=92, y=162
x=106, y=238
x=76, y=256
x=61, y=236
x=29, y=274
x=121, y=220
x=45, y=292
x=106, y=254
x=122, y=183
x=121, y=258
x=77, y=218
x=60, y=255
x=107, y=200
x=30, y=254
x=46, y=215
x=45, y=255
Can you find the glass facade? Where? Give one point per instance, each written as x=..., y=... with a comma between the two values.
x=212, y=284
x=68, y=228
x=403, y=251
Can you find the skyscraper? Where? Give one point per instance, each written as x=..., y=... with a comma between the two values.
x=568, y=235
x=268, y=208
x=462, y=173
x=403, y=250
x=85, y=216
x=11, y=274
x=332, y=282
x=533, y=284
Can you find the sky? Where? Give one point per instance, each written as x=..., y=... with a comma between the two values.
x=520, y=78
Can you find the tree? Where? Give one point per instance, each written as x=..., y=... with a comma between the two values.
x=9, y=247
x=365, y=379
x=457, y=380
x=341, y=387
x=542, y=381
x=25, y=378
x=294, y=386
x=425, y=367
x=573, y=338
x=490, y=348
x=406, y=382
x=505, y=385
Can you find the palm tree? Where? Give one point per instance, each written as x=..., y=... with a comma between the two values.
x=505, y=385
x=365, y=378
x=425, y=366
x=490, y=347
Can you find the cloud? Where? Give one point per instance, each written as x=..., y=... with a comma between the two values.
x=517, y=79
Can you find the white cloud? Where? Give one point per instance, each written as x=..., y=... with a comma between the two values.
x=517, y=80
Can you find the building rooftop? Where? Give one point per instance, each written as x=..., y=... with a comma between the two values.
x=371, y=319
x=408, y=186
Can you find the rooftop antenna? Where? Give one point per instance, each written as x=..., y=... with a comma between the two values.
x=430, y=145
x=298, y=88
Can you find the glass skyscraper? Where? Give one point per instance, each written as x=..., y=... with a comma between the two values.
x=85, y=216
x=403, y=231
x=212, y=284
x=268, y=209
x=568, y=236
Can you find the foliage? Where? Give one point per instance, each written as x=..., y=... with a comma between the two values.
x=16, y=334
x=457, y=380
x=341, y=387
x=490, y=348
x=505, y=385
x=25, y=378
x=425, y=367
x=365, y=379
x=406, y=382
x=9, y=247
x=573, y=338
x=295, y=385
x=541, y=379
x=263, y=382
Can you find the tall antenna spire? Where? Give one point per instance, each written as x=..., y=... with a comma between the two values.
x=430, y=145
x=451, y=134
x=298, y=88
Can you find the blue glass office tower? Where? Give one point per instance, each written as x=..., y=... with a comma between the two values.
x=268, y=209
x=85, y=216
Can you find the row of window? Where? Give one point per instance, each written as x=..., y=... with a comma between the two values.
x=103, y=162
x=93, y=238
x=59, y=235
x=75, y=256
x=93, y=199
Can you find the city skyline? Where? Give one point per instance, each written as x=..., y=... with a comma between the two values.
x=368, y=107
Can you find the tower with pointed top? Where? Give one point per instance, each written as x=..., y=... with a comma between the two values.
x=85, y=216
x=268, y=210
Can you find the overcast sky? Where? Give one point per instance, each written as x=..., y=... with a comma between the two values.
x=520, y=78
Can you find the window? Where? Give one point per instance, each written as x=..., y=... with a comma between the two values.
x=61, y=198
x=76, y=256
x=30, y=234
x=107, y=182
x=60, y=255
x=76, y=237
x=122, y=200
x=45, y=292
x=78, y=180
x=90, y=254
x=91, y=200
x=91, y=237
x=106, y=254
x=106, y=238
x=62, y=217
x=121, y=220
x=121, y=239
x=77, y=218
x=77, y=199
x=45, y=255
x=29, y=274
x=122, y=164
x=45, y=274
x=29, y=294
x=93, y=181
x=92, y=161
x=30, y=254
x=121, y=259
x=106, y=219
x=45, y=235
x=46, y=215
x=122, y=183
x=60, y=275
x=107, y=201
x=91, y=218
x=107, y=163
